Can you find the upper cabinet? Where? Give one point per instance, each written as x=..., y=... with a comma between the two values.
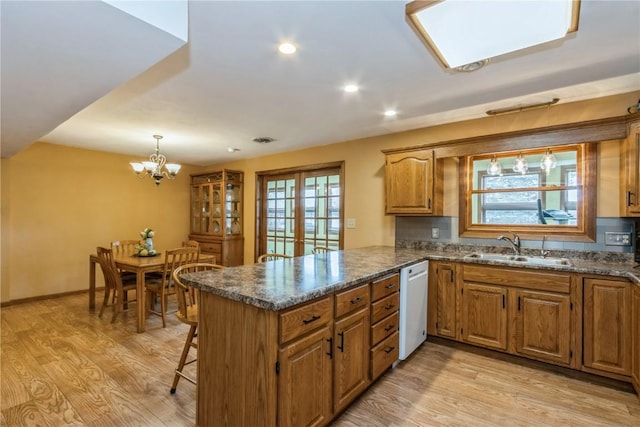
x=413, y=181
x=217, y=215
x=630, y=171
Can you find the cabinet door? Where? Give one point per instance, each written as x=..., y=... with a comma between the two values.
x=484, y=315
x=446, y=293
x=543, y=325
x=630, y=171
x=607, y=325
x=304, y=382
x=635, y=329
x=410, y=182
x=351, y=359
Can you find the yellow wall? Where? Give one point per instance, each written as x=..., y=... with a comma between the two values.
x=59, y=203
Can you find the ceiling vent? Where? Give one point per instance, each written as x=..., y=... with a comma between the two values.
x=263, y=139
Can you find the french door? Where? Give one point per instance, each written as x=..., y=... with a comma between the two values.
x=300, y=209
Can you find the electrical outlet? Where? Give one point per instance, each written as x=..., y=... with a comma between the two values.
x=435, y=232
x=617, y=238
x=351, y=223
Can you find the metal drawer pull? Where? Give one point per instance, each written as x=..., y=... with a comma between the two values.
x=341, y=346
x=330, y=354
x=356, y=300
x=389, y=307
x=389, y=349
x=313, y=319
x=390, y=327
x=390, y=286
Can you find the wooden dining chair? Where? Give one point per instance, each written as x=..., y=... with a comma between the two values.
x=191, y=244
x=187, y=297
x=125, y=247
x=320, y=250
x=113, y=282
x=272, y=257
x=161, y=288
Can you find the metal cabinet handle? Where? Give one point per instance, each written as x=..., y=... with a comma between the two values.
x=390, y=327
x=313, y=319
x=629, y=193
x=341, y=346
x=330, y=354
x=389, y=349
x=390, y=286
x=389, y=307
x=356, y=300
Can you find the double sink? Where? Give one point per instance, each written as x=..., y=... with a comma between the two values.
x=519, y=259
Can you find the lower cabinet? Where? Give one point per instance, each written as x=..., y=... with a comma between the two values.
x=351, y=352
x=484, y=315
x=635, y=329
x=607, y=325
x=523, y=312
x=304, y=386
x=542, y=323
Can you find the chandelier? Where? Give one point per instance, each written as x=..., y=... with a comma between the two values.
x=154, y=167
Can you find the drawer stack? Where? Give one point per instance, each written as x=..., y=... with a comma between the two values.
x=385, y=302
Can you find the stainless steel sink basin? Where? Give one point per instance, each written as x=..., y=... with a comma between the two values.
x=541, y=261
x=491, y=257
x=518, y=259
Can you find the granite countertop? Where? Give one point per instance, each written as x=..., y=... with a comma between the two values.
x=279, y=284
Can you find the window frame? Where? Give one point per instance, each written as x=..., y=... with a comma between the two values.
x=583, y=231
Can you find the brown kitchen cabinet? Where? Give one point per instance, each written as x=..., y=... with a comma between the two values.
x=385, y=323
x=217, y=215
x=523, y=312
x=351, y=345
x=607, y=326
x=442, y=299
x=541, y=322
x=635, y=340
x=483, y=320
x=630, y=171
x=413, y=182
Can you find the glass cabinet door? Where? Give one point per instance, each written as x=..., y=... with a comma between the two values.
x=233, y=208
x=216, y=206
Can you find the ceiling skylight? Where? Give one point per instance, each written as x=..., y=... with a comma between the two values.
x=462, y=32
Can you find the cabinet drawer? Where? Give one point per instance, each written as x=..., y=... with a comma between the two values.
x=351, y=300
x=384, y=307
x=384, y=328
x=214, y=248
x=385, y=286
x=518, y=277
x=384, y=354
x=306, y=318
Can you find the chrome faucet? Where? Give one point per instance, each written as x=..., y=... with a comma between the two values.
x=543, y=251
x=515, y=242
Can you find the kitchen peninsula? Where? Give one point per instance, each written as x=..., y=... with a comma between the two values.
x=256, y=369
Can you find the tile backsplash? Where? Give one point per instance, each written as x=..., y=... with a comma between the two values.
x=421, y=228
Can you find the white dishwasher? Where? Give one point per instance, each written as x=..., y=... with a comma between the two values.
x=413, y=307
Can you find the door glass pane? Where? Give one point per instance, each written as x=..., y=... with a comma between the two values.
x=280, y=216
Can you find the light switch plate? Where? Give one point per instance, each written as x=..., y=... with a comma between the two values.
x=617, y=238
x=351, y=223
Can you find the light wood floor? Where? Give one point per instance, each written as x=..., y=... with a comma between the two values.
x=62, y=365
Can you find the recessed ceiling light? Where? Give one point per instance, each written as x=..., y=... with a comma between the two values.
x=350, y=88
x=390, y=113
x=287, y=48
x=233, y=150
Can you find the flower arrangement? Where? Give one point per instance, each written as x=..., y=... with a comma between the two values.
x=147, y=233
x=145, y=248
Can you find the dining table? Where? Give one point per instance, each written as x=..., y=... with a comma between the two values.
x=140, y=265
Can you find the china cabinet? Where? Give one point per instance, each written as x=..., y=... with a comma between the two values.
x=630, y=171
x=217, y=215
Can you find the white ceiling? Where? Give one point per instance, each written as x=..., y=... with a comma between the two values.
x=85, y=78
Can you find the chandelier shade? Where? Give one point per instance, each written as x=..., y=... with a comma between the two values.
x=156, y=167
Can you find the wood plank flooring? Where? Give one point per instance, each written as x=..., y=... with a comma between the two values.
x=62, y=365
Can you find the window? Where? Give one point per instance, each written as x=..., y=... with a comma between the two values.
x=560, y=201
